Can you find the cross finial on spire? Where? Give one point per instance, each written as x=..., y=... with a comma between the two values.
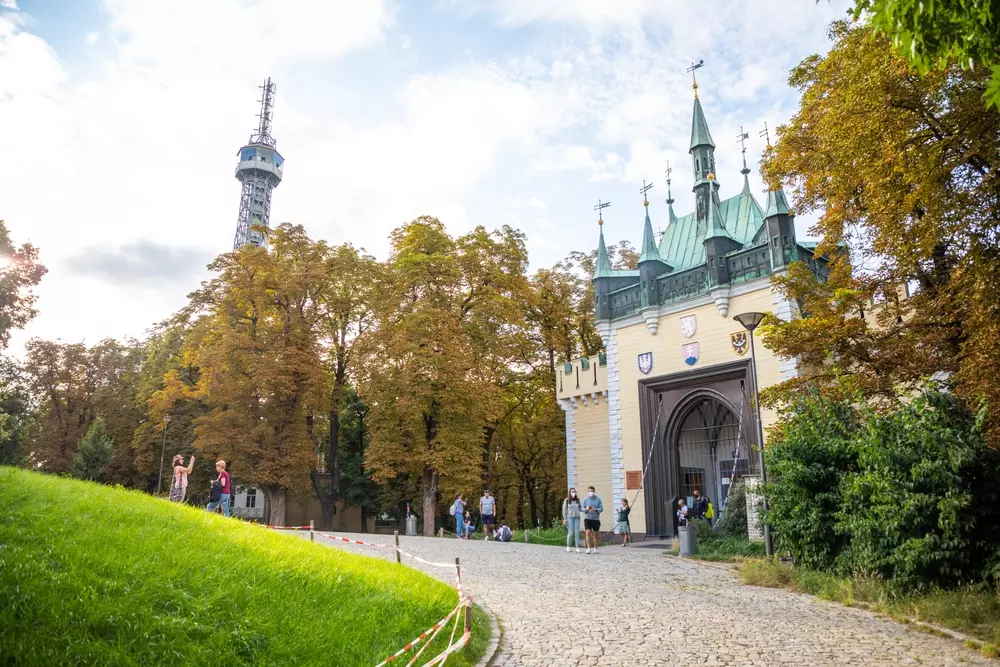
x=600, y=210
x=670, y=197
x=694, y=80
x=766, y=134
x=643, y=191
x=742, y=139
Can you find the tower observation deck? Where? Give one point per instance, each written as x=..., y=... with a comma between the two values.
x=259, y=170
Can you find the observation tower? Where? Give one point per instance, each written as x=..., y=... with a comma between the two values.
x=259, y=170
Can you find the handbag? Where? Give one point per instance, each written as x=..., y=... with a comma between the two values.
x=216, y=492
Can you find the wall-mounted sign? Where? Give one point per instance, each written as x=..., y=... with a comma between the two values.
x=633, y=479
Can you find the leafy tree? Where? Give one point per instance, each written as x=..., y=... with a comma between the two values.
x=260, y=373
x=15, y=412
x=733, y=522
x=356, y=486
x=345, y=296
x=430, y=365
x=20, y=271
x=939, y=34
x=809, y=457
x=914, y=191
x=92, y=456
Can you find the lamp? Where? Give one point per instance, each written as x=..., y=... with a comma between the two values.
x=751, y=321
x=163, y=449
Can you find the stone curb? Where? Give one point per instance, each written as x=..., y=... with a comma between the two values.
x=494, y=646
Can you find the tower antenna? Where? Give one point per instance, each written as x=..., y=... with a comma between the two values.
x=643, y=191
x=742, y=141
x=670, y=170
x=766, y=134
x=263, y=133
x=600, y=210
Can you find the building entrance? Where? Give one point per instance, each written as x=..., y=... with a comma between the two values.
x=710, y=450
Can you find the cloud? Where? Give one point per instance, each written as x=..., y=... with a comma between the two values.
x=139, y=264
x=8, y=4
x=92, y=38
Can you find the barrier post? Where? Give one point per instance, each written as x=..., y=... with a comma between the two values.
x=399, y=558
x=525, y=535
x=440, y=532
x=468, y=618
x=312, y=535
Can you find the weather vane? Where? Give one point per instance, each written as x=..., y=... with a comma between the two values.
x=766, y=134
x=645, y=189
x=670, y=197
x=694, y=81
x=600, y=210
x=742, y=139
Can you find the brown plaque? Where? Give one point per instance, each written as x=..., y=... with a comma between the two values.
x=633, y=479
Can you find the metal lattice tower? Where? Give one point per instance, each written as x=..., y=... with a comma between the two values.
x=259, y=170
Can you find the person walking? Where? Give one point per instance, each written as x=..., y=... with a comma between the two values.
x=623, y=526
x=571, y=519
x=458, y=511
x=592, y=508
x=179, y=480
x=699, y=507
x=225, y=489
x=487, y=513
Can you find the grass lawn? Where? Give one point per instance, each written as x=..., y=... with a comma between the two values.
x=971, y=611
x=93, y=575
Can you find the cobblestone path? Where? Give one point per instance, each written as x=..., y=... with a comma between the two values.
x=638, y=607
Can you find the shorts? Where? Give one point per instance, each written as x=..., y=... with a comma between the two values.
x=592, y=524
x=623, y=528
x=489, y=520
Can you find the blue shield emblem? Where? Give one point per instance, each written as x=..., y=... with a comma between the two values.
x=645, y=362
x=690, y=353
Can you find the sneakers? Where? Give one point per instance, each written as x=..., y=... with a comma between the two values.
x=578, y=549
x=486, y=539
x=588, y=550
x=595, y=550
x=567, y=549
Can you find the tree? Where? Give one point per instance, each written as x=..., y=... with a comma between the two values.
x=356, y=486
x=941, y=34
x=92, y=456
x=429, y=365
x=345, y=297
x=15, y=412
x=905, y=172
x=259, y=365
x=20, y=271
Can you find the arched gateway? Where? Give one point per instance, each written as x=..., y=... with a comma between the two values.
x=675, y=365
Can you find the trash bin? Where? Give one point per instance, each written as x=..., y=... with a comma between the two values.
x=688, y=542
x=411, y=525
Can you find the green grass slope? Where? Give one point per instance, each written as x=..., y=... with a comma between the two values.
x=93, y=575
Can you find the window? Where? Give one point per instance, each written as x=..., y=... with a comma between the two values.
x=251, y=498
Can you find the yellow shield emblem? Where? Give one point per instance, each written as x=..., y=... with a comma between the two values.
x=739, y=342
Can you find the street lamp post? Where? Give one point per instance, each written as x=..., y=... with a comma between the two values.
x=750, y=321
x=163, y=449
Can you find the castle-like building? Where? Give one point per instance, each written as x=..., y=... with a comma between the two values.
x=668, y=407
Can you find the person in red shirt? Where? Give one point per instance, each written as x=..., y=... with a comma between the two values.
x=225, y=488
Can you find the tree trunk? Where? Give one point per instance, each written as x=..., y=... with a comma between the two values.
x=532, y=503
x=276, y=504
x=325, y=501
x=364, y=518
x=520, y=504
x=430, y=500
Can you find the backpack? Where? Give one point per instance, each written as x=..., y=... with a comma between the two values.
x=216, y=493
x=710, y=512
x=454, y=509
x=504, y=535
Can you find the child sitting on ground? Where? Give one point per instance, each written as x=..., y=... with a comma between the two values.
x=469, y=528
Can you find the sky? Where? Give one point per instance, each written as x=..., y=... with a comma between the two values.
x=120, y=121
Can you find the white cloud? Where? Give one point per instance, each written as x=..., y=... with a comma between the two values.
x=92, y=38
x=8, y=4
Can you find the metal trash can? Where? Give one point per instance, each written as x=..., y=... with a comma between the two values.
x=411, y=525
x=688, y=541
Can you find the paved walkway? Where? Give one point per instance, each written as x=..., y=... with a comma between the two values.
x=638, y=607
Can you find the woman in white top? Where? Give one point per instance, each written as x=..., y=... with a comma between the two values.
x=179, y=481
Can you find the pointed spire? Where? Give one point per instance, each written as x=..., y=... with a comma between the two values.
x=603, y=267
x=649, y=250
x=777, y=204
x=670, y=198
x=716, y=227
x=700, y=135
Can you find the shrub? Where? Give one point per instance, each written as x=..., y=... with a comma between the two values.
x=809, y=458
x=923, y=508
x=733, y=522
x=93, y=454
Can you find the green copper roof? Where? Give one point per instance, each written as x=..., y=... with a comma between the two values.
x=776, y=203
x=649, y=251
x=699, y=128
x=716, y=227
x=603, y=267
x=682, y=245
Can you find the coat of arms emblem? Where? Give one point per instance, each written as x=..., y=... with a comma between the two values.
x=690, y=353
x=645, y=362
x=689, y=324
x=739, y=342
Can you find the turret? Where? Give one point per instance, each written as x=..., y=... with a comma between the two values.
x=718, y=242
x=780, y=225
x=651, y=265
x=702, y=161
x=602, y=278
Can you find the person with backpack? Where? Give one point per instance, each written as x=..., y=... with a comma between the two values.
x=503, y=532
x=571, y=519
x=221, y=489
x=458, y=511
x=623, y=527
x=698, y=507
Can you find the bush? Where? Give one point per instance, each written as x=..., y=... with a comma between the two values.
x=93, y=454
x=922, y=510
x=814, y=450
x=733, y=522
